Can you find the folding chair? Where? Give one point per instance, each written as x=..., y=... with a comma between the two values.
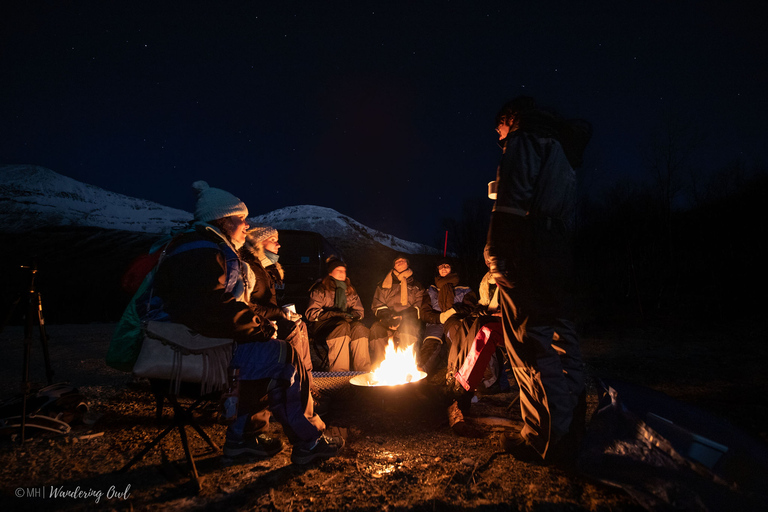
x=173, y=354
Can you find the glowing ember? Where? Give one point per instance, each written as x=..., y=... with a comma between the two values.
x=398, y=367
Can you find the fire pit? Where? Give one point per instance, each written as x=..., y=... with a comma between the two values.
x=369, y=379
x=396, y=380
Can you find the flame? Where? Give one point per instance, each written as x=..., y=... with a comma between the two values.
x=398, y=367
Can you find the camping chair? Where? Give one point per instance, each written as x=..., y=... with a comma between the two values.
x=172, y=355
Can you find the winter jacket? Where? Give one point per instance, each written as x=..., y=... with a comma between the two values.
x=533, y=214
x=322, y=301
x=430, y=306
x=386, y=301
x=265, y=280
x=199, y=282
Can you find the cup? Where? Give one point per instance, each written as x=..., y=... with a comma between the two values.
x=492, y=190
x=289, y=308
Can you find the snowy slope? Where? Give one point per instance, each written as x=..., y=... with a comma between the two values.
x=339, y=229
x=34, y=197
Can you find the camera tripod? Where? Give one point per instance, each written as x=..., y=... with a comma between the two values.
x=33, y=313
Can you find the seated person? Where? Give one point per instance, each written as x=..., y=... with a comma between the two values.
x=335, y=313
x=396, y=304
x=199, y=283
x=260, y=253
x=444, y=306
x=485, y=312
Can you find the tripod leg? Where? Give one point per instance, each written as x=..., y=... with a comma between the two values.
x=25, y=372
x=43, y=336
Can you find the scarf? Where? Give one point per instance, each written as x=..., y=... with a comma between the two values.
x=403, y=277
x=445, y=290
x=340, y=298
x=272, y=257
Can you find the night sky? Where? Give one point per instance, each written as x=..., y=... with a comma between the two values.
x=380, y=110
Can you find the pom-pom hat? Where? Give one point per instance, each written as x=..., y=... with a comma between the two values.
x=214, y=203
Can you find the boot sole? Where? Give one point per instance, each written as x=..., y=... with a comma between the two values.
x=306, y=459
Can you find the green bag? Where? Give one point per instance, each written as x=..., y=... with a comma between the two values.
x=128, y=336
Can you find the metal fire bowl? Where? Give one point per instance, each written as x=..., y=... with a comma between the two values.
x=365, y=381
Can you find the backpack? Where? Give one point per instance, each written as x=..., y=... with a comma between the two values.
x=125, y=346
x=126, y=341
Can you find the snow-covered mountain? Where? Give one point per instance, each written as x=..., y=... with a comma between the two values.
x=340, y=230
x=34, y=197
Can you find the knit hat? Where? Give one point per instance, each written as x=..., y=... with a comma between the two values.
x=401, y=256
x=214, y=203
x=259, y=234
x=332, y=263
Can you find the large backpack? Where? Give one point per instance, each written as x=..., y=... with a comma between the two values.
x=126, y=341
x=128, y=337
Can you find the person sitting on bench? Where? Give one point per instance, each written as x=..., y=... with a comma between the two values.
x=335, y=313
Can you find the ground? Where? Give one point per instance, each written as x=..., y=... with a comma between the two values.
x=400, y=454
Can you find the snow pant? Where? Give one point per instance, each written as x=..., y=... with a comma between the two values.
x=407, y=333
x=272, y=376
x=296, y=334
x=341, y=345
x=548, y=368
x=433, y=350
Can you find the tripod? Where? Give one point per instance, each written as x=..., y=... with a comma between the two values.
x=34, y=313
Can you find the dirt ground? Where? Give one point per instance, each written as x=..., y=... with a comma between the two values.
x=400, y=453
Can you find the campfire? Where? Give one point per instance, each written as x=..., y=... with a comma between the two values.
x=398, y=367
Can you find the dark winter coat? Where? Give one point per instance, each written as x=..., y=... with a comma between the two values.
x=263, y=297
x=462, y=296
x=322, y=301
x=386, y=301
x=196, y=287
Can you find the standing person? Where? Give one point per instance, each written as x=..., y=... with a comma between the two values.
x=199, y=283
x=444, y=305
x=396, y=304
x=529, y=256
x=266, y=276
x=335, y=313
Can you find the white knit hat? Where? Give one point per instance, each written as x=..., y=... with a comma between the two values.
x=214, y=203
x=258, y=234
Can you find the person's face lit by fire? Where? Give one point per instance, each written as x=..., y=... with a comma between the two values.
x=444, y=269
x=235, y=227
x=505, y=126
x=339, y=273
x=272, y=245
x=401, y=264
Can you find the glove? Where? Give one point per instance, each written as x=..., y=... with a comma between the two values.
x=481, y=310
x=330, y=313
x=290, y=315
x=445, y=315
x=462, y=309
x=384, y=315
x=393, y=322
